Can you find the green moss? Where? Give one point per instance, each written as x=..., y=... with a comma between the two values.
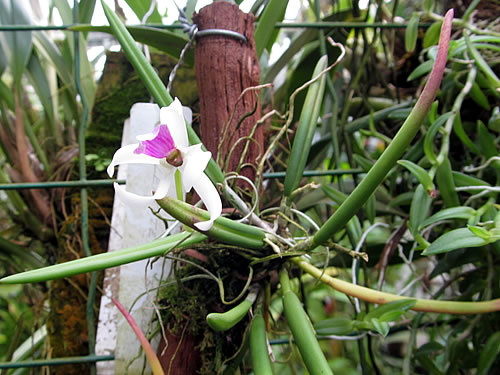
x=119, y=88
x=189, y=303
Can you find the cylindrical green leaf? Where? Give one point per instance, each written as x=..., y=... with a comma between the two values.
x=302, y=331
x=334, y=326
x=223, y=229
x=305, y=130
x=261, y=362
x=105, y=260
x=226, y=320
x=144, y=69
x=370, y=209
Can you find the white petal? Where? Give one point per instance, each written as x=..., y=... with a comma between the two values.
x=188, y=114
x=131, y=199
x=173, y=117
x=145, y=137
x=195, y=162
x=210, y=197
x=163, y=187
x=126, y=155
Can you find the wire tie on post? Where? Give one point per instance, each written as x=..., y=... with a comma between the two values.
x=192, y=30
x=230, y=33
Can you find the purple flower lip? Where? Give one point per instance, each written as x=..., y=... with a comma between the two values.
x=160, y=146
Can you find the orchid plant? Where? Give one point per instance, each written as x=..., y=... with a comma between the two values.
x=181, y=166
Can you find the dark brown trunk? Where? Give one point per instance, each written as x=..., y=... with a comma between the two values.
x=181, y=355
x=225, y=66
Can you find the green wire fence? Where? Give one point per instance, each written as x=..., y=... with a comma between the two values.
x=83, y=183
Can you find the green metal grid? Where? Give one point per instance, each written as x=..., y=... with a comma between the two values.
x=279, y=25
x=83, y=183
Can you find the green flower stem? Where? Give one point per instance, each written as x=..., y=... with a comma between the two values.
x=394, y=151
x=178, y=185
x=373, y=296
x=302, y=330
x=224, y=230
x=106, y=260
x=261, y=362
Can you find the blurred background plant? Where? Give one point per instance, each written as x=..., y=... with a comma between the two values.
x=442, y=199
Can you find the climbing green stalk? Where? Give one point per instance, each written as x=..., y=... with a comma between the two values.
x=394, y=151
x=374, y=296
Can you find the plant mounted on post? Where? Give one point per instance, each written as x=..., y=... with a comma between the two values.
x=293, y=263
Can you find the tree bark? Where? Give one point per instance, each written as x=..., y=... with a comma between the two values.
x=225, y=66
x=180, y=355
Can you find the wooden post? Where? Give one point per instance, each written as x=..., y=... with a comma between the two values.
x=225, y=66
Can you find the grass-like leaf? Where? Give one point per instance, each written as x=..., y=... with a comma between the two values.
x=305, y=130
x=453, y=240
x=265, y=32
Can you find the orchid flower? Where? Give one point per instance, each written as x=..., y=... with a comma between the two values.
x=181, y=166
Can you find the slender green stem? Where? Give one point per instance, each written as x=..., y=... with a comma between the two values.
x=178, y=185
x=398, y=146
x=373, y=296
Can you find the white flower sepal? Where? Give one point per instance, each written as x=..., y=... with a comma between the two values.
x=168, y=147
